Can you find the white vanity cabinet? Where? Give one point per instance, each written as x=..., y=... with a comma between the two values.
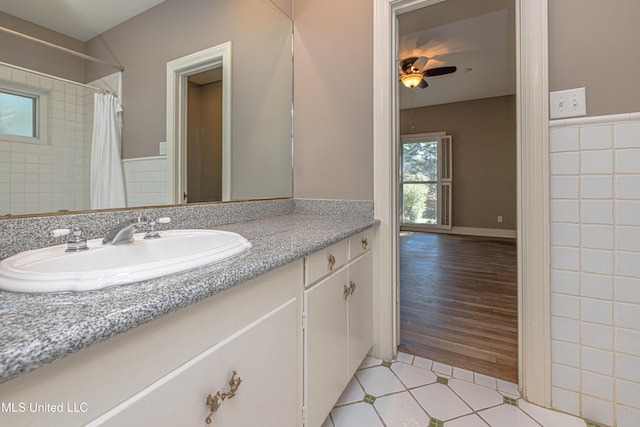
x=338, y=322
x=161, y=373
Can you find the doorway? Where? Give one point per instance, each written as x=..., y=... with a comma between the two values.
x=533, y=180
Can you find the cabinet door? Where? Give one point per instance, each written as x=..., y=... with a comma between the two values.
x=325, y=346
x=264, y=355
x=360, y=311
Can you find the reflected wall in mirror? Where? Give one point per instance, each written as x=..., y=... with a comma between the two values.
x=261, y=131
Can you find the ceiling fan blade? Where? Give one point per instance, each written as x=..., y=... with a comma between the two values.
x=440, y=71
x=423, y=84
x=406, y=64
x=419, y=64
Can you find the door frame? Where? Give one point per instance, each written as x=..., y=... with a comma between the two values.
x=534, y=342
x=178, y=72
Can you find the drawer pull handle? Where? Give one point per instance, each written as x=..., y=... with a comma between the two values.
x=347, y=292
x=352, y=287
x=213, y=402
x=364, y=244
x=332, y=262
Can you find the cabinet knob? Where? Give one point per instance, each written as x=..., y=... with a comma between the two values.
x=214, y=402
x=364, y=244
x=332, y=262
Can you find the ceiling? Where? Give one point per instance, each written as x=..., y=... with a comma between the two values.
x=478, y=37
x=80, y=19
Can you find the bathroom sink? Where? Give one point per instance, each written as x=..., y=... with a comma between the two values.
x=54, y=270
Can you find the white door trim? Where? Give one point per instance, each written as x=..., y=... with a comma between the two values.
x=533, y=189
x=178, y=71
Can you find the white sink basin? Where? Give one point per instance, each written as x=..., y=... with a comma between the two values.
x=53, y=270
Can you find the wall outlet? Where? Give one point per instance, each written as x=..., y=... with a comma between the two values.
x=568, y=103
x=163, y=148
x=500, y=219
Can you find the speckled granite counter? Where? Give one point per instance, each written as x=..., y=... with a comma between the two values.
x=37, y=329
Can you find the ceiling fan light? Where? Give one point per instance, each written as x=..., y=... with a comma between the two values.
x=411, y=80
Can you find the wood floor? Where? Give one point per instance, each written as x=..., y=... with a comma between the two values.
x=458, y=302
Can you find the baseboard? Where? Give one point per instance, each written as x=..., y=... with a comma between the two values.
x=469, y=231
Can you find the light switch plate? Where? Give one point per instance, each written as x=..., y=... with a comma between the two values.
x=163, y=148
x=568, y=103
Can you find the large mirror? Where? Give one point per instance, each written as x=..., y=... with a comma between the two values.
x=51, y=173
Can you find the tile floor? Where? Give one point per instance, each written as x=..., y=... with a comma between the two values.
x=413, y=391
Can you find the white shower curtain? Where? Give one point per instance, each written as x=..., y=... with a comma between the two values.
x=107, y=182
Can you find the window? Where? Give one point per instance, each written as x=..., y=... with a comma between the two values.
x=426, y=180
x=23, y=115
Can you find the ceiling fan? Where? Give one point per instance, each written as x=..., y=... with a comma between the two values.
x=413, y=71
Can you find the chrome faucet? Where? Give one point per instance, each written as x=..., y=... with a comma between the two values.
x=123, y=232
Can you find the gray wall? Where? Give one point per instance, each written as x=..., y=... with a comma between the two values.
x=484, y=156
x=28, y=54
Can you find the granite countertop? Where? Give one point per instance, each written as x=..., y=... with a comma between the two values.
x=38, y=329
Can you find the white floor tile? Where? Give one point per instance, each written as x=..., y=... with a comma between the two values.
x=507, y=416
x=413, y=376
x=485, y=381
x=508, y=388
x=463, y=374
x=328, y=422
x=422, y=362
x=442, y=368
x=467, y=421
x=476, y=396
x=369, y=362
x=356, y=415
x=405, y=358
x=401, y=410
x=353, y=393
x=440, y=402
x=547, y=417
x=379, y=381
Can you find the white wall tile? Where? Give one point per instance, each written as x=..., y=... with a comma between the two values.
x=628, y=187
x=597, y=236
x=596, y=360
x=597, y=162
x=564, y=187
x=628, y=316
x=596, y=137
x=627, y=367
x=628, y=393
x=565, y=353
x=566, y=282
x=628, y=161
x=569, y=211
x=597, y=385
x=565, y=377
x=597, y=211
x=564, y=139
x=628, y=264
x=628, y=238
x=627, y=417
x=597, y=409
x=565, y=163
x=628, y=135
x=565, y=329
x=597, y=261
x=597, y=286
x=597, y=311
x=565, y=234
x=598, y=336
x=565, y=400
x=627, y=289
x=596, y=187
x=628, y=341
x=565, y=258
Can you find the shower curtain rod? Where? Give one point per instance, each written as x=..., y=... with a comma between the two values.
x=64, y=49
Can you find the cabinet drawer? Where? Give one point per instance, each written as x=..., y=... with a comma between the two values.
x=265, y=358
x=360, y=243
x=325, y=261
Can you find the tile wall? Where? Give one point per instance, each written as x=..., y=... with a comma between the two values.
x=595, y=267
x=145, y=180
x=46, y=176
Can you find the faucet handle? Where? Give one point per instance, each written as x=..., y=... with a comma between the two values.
x=59, y=232
x=76, y=242
x=152, y=233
